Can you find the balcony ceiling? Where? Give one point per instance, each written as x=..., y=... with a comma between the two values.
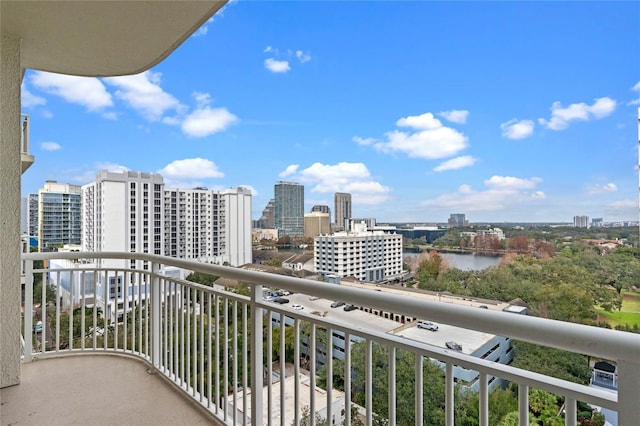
x=102, y=38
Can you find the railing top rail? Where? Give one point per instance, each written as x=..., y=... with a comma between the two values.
x=587, y=340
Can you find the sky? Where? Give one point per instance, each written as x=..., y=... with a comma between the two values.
x=503, y=111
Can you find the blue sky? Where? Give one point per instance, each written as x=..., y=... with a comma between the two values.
x=505, y=111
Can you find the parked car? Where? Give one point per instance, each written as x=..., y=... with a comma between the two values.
x=284, y=293
x=38, y=327
x=297, y=307
x=483, y=307
x=314, y=298
x=349, y=308
x=427, y=325
x=455, y=346
x=337, y=304
x=280, y=300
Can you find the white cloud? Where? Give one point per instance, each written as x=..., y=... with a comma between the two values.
x=455, y=116
x=291, y=169
x=28, y=99
x=302, y=57
x=430, y=140
x=276, y=66
x=604, y=188
x=143, y=93
x=191, y=168
x=206, y=121
x=353, y=178
x=50, y=146
x=510, y=182
x=561, y=117
x=268, y=49
x=364, y=141
x=622, y=209
x=86, y=91
x=254, y=191
x=635, y=88
x=514, y=129
x=204, y=29
x=502, y=192
x=456, y=163
x=110, y=115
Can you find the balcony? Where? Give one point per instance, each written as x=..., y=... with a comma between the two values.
x=25, y=158
x=192, y=348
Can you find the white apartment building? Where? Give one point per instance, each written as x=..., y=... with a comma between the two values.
x=124, y=212
x=208, y=225
x=367, y=255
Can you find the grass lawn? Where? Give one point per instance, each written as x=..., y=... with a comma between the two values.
x=629, y=314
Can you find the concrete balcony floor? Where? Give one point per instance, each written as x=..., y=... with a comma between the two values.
x=95, y=390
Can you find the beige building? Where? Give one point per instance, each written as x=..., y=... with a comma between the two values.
x=317, y=223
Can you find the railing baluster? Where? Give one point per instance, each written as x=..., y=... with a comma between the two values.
x=128, y=276
x=28, y=311
x=245, y=363
x=449, y=397
x=269, y=367
x=107, y=318
x=312, y=362
x=95, y=311
x=570, y=412
x=629, y=385
x=82, y=320
x=225, y=360
x=234, y=357
x=523, y=404
x=392, y=385
x=217, y=355
x=419, y=389
x=211, y=367
x=347, y=379
x=71, y=291
x=368, y=363
x=201, y=353
x=296, y=368
x=483, y=399
x=257, y=370
x=328, y=359
x=58, y=302
x=194, y=342
x=283, y=369
x=44, y=314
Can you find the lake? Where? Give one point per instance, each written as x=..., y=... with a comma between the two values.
x=467, y=261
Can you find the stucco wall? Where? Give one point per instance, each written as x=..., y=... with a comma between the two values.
x=10, y=172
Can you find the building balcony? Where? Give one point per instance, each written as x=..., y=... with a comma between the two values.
x=185, y=353
x=25, y=157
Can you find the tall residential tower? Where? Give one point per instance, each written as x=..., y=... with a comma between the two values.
x=54, y=215
x=342, y=208
x=289, y=209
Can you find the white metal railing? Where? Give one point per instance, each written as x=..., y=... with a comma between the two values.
x=24, y=133
x=218, y=346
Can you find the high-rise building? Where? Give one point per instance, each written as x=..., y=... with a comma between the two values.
x=207, y=225
x=32, y=215
x=458, y=220
x=268, y=220
x=342, y=208
x=581, y=221
x=289, y=209
x=237, y=226
x=54, y=215
x=322, y=209
x=597, y=222
x=124, y=212
x=367, y=255
x=316, y=223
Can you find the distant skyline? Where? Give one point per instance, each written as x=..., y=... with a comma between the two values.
x=503, y=111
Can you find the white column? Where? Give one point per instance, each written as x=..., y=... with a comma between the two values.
x=10, y=171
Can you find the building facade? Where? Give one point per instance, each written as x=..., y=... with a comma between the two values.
x=207, y=225
x=289, y=209
x=268, y=220
x=366, y=255
x=342, y=208
x=581, y=221
x=316, y=223
x=458, y=220
x=54, y=215
x=321, y=208
x=124, y=212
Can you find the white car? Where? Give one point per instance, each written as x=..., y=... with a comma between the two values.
x=297, y=307
x=428, y=325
